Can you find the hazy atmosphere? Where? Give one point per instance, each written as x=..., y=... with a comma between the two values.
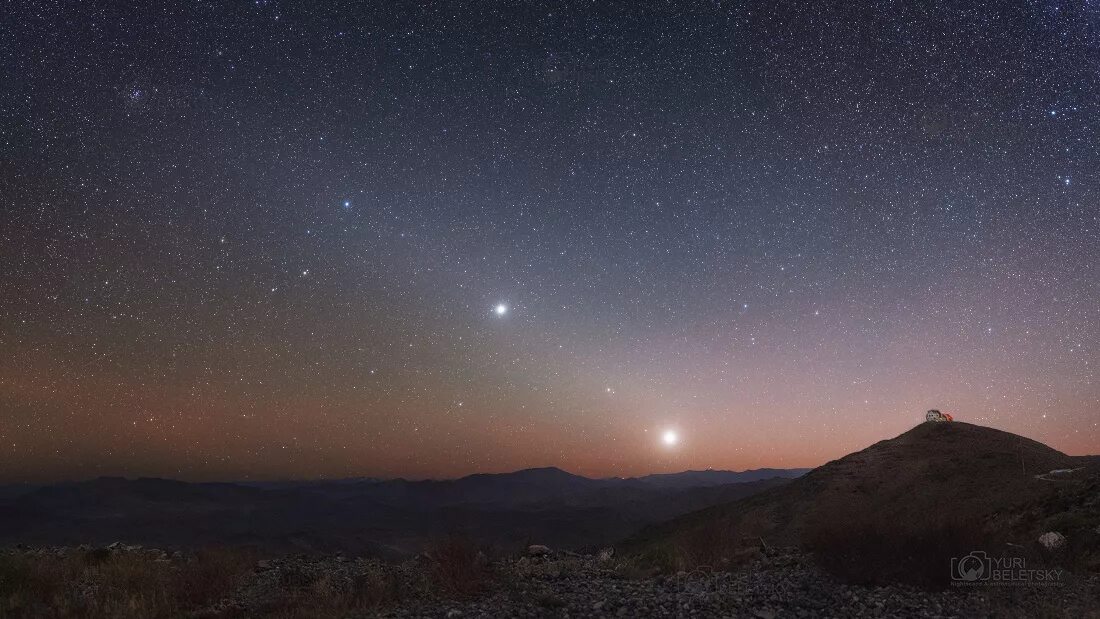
x=550, y=309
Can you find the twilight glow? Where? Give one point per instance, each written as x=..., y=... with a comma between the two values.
x=268, y=240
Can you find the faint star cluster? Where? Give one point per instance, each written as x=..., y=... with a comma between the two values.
x=265, y=239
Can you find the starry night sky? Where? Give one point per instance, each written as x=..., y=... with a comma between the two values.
x=269, y=239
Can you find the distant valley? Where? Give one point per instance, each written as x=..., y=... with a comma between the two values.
x=386, y=518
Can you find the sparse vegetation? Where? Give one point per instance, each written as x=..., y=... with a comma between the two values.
x=659, y=559
x=458, y=567
x=99, y=583
x=213, y=573
x=708, y=546
x=102, y=584
x=326, y=596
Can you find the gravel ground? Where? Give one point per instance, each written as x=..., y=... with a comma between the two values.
x=780, y=586
x=785, y=584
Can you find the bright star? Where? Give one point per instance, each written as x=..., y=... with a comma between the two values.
x=670, y=438
x=501, y=309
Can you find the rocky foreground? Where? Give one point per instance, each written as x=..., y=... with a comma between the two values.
x=780, y=583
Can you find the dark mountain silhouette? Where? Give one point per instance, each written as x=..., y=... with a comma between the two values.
x=389, y=517
x=712, y=477
x=932, y=473
x=538, y=485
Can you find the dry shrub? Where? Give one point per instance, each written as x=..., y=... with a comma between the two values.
x=327, y=596
x=859, y=545
x=714, y=545
x=457, y=566
x=97, y=556
x=122, y=586
x=213, y=574
x=658, y=559
x=134, y=586
x=376, y=588
x=40, y=587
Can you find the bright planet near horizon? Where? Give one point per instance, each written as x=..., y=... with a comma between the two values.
x=670, y=438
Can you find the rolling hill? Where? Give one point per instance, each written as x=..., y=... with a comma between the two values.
x=933, y=473
x=385, y=518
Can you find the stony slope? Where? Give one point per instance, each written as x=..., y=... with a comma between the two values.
x=934, y=471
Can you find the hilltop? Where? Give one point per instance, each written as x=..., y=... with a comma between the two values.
x=929, y=475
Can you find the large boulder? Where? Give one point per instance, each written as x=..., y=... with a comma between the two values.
x=1052, y=540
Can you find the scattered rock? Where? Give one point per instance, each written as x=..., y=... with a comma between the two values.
x=605, y=555
x=786, y=583
x=537, y=550
x=1052, y=540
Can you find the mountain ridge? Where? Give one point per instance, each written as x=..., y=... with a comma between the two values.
x=384, y=517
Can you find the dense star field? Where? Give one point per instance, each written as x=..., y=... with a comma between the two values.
x=268, y=239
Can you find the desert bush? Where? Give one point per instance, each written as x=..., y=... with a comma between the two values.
x=714, y=545
x=457, y=566
x=13, y=574
x=648, y=563
x=97, y=556
x=328, y=596
x=137, y=585
x=212, y=574
x=859, y=545
x=376, y=588
x=35, y=586
x=120, y=586
x=133, y=586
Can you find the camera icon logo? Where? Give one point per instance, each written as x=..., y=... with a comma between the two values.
x=974, y=567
